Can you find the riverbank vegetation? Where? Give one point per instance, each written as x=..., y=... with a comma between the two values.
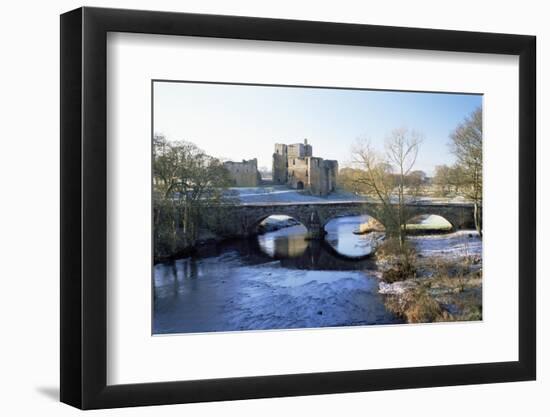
x=463, y=179
x=433, y=289
x=383, y=175
x=185, y=181
x=416, y=288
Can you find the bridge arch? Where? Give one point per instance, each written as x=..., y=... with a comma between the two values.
x=242, y=220
x=255, y=226
x=289, y=245
x=352, y=213
x=429, y=223
x=460, y=217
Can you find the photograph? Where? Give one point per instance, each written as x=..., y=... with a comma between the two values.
x=296, y=207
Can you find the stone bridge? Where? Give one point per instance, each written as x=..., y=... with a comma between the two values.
x=243, y=220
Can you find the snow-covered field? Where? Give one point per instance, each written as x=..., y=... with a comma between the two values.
x=283, y=194
x=452, y=246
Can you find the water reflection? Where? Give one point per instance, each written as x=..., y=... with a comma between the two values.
x=281, y=280
x=340, y=236
x=289, y=242
x=277, y=280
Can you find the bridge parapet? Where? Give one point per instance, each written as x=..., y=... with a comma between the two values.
x=243, y=220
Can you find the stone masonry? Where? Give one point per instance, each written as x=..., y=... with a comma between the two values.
x=243, y=220
x=245, y=173
x=295, y=166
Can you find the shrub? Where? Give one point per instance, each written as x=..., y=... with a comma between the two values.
x=399, y=272
x=423, y=309
x=416, y=307
x=401, y=257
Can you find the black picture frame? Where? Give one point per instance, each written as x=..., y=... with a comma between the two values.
x=84, y=207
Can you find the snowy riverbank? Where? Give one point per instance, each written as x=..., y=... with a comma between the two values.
x=447, y=284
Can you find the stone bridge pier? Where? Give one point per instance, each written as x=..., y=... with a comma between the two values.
x=243, y=220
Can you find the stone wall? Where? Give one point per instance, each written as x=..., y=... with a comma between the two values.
x=332, y=178
x=299, y=150
x=295, y=166
x=298, y=173
x=322, y=176
x=245, y=173
x=317, y=177
x=280, y=164
x=241, y=221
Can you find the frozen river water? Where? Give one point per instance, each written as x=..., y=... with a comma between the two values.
x=278, y=280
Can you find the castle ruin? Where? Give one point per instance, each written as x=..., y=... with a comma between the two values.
x=245, y=173
x=295, y=166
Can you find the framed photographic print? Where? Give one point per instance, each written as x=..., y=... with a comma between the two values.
x=257, y=207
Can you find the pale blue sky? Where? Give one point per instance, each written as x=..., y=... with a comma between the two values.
x=243, y=122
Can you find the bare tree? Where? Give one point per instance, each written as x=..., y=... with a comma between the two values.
x=185, y=179
x=449, y=180
x=402, y=150
x=415, y=182
x=348, y=179
x=383, y=175
x=441, y=180
x=467, y=145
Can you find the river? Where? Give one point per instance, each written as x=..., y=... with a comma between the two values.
x=278, y=280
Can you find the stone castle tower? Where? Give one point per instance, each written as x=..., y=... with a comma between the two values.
x=245, y=173
x=295, y=166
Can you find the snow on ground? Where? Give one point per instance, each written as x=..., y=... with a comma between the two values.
x=283, y=194
x=395, y=288
x=464, y=243
x=441, y=200
x=434, y=221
